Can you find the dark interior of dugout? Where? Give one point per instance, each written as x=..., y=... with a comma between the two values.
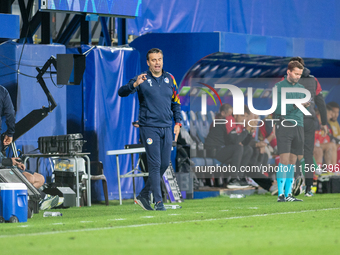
x=214, y=56
x=257, y=71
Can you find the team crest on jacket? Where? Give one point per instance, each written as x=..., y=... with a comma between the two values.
x=166, y=79
x=150, y=82
x=149, y=141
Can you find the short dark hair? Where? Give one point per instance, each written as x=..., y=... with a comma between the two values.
x=333, y=105
x=298, y=59
x=225, y=107
x=293, y=64
x=153, y=50
x=329, y=108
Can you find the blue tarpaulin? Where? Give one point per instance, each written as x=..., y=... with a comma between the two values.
x=103, y=117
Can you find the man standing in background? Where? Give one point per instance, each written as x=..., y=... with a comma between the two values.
x=313, y=85
x=290, y=137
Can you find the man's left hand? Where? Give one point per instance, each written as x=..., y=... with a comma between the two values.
x=177, y=128
x=7, y=140
x=18, y=163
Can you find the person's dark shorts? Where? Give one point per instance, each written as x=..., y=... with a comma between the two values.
x=289, y=139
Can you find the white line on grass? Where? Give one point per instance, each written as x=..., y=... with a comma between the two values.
x=116, y=219
x=173, y=214
x=85, y=221
x=163, y=223
x=148, y=217
x=58, y=223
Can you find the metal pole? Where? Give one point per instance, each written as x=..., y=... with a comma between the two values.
x=88, y=180
x=118, y=176
x=77, y=181
x=133, y=178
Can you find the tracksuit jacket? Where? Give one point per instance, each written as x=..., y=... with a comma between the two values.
x=158, y=101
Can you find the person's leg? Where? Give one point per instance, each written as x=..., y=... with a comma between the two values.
x=334, y=153
x=165, y=155
x=29, y=177
x=327, y=152
x=151, y=140
x=284, y=136
x=262, y=180
x=165, y=145
x=309, y=133
x=37, y=180
x=318, y=155
x=230, y=155
x=246, y=156
x=281, y=174
x=255, y=158
x=296, y=149
x=290, y=174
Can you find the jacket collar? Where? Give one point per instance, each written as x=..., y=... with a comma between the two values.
x=150, y=74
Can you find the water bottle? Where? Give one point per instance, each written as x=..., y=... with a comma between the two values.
x=237, y=196
x=172, y=207
x=52, y=214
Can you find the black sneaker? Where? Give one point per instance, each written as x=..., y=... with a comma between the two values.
x=243, y=182
x=144, y=203
x=236, y=184
x=159, y=206
x=297, y=186
x=281, y=198
x=290, y=198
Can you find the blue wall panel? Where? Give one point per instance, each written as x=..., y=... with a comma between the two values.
x=10, y=26
x=181, y=50
x=312, y=19
x=28, y=95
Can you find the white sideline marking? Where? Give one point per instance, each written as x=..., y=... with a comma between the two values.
x=156, y=224
x=255, y=208
x=148, y=217
x=174, y=214
x=58, y=223
x=199, y=212
x=23, y=226
x=85, y=221
x=116, y=219
x=224, y=210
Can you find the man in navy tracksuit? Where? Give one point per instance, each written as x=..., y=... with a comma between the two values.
x=158, y=103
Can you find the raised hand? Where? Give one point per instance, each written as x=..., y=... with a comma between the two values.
x=140, y=79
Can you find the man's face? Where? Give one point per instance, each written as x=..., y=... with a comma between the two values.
x=294, y=75
x=230, y=112
x=330, y=114
x=335, y=114
x=241, y=118
x=155, y=63
x=227, y=113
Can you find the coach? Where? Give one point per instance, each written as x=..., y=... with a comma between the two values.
x=158, y=104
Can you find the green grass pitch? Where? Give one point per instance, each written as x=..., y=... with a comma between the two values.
x=253, y=225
